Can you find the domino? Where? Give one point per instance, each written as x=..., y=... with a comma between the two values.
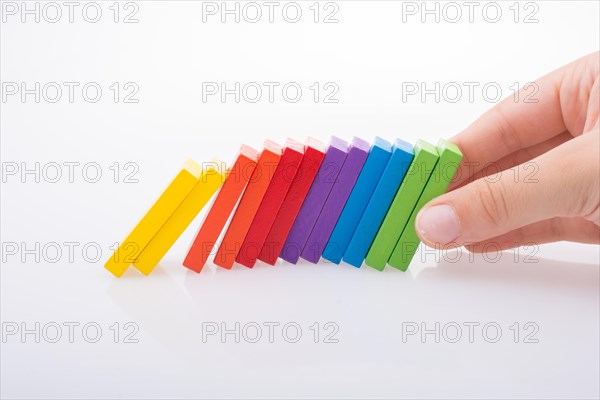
x=314, y=152
x=412, y=186
x=353, y=203
x=154, y=219
x=249, y=204
x=230, y=193
x=357, y=155
x=450, y=158
x=379, y=203
x=368, y=179
x=315, y=199
x=209, y=182
x=271, y=203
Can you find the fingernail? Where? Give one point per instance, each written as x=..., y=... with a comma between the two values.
x=438, y=224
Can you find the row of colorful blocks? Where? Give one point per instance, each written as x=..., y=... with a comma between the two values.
x=353, y=202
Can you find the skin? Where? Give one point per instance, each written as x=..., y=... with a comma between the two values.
x=549, y=156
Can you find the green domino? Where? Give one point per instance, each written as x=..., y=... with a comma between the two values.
x=414, y=182
x=450, y=158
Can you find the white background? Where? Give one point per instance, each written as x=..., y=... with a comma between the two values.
x=368, y=54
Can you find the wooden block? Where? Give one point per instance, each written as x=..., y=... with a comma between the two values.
x=154, y=219
x=379, y=203
x=404, y=202
x=357, y=155
x=379, y=156
x=231, y=191
x=249, y=204
x=450, y=158
x=314, y=152
x=315, y=199
x=203, y=190
x=283, y=177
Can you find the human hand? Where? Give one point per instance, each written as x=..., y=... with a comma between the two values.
x=549, y=157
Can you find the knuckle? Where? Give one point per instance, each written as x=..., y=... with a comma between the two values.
x=491, y=196
x=507, y=132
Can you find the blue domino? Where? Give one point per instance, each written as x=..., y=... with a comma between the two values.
x=378, y=158
x=379, y=203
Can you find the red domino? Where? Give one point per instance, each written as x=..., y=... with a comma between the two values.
x=314, y=152
x=249, y=203
x=271, y=203
x=231, y=191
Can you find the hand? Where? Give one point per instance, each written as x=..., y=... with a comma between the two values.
x=549, y=157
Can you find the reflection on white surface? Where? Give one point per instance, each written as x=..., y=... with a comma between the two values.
x=370, y=354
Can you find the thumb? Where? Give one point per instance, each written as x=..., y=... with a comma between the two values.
x=563, y=182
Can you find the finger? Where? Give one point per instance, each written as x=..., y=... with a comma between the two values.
x=551, y=230
x=516, y=158
x=566, y=184
x=593, y=111
x=513, y=125
x=580, y=95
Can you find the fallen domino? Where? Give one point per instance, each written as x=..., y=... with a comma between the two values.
x=315, y=199
x=209, y=182
x=224, y=204
x=334, y=205
x=379, y=156
x=155, y=218
x=352, y=203
x=314, y=153
x=379, y=203
x=250, y=202
x=273, y=198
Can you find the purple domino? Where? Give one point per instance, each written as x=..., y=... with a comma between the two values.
x=316, y=197
x=336, y=201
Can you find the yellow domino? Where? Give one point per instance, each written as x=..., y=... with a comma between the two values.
x=154, y=219
x=203, y=190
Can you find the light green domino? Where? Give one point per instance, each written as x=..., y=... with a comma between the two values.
x=414, y=182
x=450, y=158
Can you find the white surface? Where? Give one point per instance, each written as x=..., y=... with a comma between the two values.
x=369, y=53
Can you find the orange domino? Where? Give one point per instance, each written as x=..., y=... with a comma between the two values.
x=251, y=199
x=235, y=182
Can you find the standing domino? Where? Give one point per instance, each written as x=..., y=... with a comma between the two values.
x=357, y=155
x=404, y=202
x=450, y=158
x=316, y=197
x=370, y=175
x=379, y=203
